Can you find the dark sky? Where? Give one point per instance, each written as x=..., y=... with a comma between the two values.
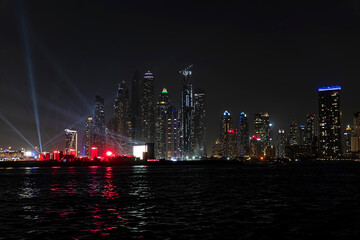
x=250, y=56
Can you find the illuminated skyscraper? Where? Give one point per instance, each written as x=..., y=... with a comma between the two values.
x=162, y=106
x=122, y=115
x=172, y=133
x=135, y=105
x=187, y=114
x=227, y=137
x=71, y=141
x=147, y=114
x=347, y=141
x=294, y=139
x=88, y=136
x=330, y=122
x=281, y=144
x=355, y=138
x=99, y=125
x=199, y=123
x=262, y=128
x=310, y=129
x=243, y=135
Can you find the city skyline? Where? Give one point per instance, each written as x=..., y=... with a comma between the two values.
x=259, y=74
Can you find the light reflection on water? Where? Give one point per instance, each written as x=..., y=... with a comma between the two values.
x=182, y=202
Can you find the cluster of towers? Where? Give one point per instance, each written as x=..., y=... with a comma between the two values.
x=319, y=137
x=142, y=118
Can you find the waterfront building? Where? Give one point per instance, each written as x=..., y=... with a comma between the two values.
x=71, y=142
x=99, y=125
x=122, y=119
x=294, y=136
x=228, y=137
x=330, y=122
x=135, y=105
x=187, y=114
x=281, y=144
x=162, y=106
x=262, y=128
x=243, y=140
x=172, y=131
x=88, y=136
x=310, y=129
x=355, y=138
x=147, y=111
x=256, y=150
x=347, y=141
x=199, y=123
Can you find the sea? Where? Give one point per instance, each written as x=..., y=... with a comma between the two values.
x=195, y=201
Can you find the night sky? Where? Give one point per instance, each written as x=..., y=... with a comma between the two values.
x=251, y=56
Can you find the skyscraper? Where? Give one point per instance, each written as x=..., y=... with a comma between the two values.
x=243, y=135
x=99, y=125
x=122, y=115
x=262, y=128
x=135, y=105
x=172, y=133
x=71, y=141
x=162, y=106
x=281, y=153
x=88, y=136
x=330, y=122
x=187, y=114
x=355, y=138
x=310, y=129
x=199, y=123
x=227, y=137
x=294, y=139
x=347, y=141
x=147, y=111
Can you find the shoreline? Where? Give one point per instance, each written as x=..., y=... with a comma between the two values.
x=52, y=163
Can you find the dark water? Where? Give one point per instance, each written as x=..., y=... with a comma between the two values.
x=181, y=202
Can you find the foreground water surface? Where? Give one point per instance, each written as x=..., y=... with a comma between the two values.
x=181, y=202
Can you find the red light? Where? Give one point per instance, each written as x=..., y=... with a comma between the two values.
x=231, y=131
x=109, y=153
x=153, y=160
x=93, y=152
x=256, y=136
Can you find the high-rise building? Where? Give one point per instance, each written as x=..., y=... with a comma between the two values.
x=147, y=111
x=122, y=115
x=281, y=153
x=302, y=135
x=330, y=122
x=71, y=142
x=88, y=136
x=355, y=138
x=256, y=150
x=99, y=137
x=310, y=129
x=162, y=106
x=262, y=128
x=227, y=137
x=294, y=137
x=172, y=131
x=187, y=114
x=135, y=105
x=347, y=141
x=199, y=123
x=243, y=135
